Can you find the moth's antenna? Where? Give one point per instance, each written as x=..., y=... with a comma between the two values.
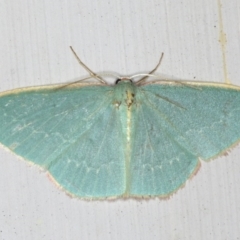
x=149, y=74
x=93, y=74
x=142, y=75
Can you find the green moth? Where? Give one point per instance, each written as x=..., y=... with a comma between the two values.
x=131, y=139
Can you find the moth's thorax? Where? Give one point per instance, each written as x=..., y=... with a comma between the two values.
x=124, y=94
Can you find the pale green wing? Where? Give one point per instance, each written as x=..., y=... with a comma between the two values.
x=174, y=126
x=69, y=132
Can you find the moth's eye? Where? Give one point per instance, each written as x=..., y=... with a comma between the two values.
x=117, y=81
x=117, y=104
x=123, y=79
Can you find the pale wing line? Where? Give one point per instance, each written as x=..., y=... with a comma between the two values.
x=154, y=155
x=149, y=137
x=149, y=140
x=177, y=129
x=54, y=161
x=162, y=115
x=105, y=133
x=61, y=121
x=46, y=111
x=71, y=109
x=34, y=130
x=44, y=123
x=100, y=147
x=203, y=136
x=79, y=126
x=171, y=140
x=55, y=126
x=152, y=106
x=22, y=118
x=167, y=134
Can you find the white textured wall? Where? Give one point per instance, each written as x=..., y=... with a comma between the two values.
x=201, y=41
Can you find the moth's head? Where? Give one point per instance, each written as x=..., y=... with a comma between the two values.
x=124, y=93
x=123, y=80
